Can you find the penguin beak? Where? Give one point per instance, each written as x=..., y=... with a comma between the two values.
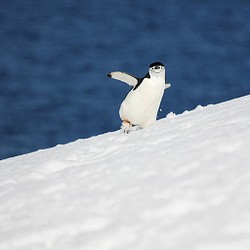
x=157, y=68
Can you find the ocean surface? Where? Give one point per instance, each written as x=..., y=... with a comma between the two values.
x=55, y=56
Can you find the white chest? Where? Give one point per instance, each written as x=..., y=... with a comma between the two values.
x=141, y=105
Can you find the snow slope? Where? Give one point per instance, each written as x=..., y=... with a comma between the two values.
x=181, y=184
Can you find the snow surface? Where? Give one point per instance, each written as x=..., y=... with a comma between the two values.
x=183, y=184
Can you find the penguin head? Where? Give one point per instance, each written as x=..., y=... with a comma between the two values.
x=157, y=69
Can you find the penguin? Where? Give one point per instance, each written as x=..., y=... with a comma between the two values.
x=140, y=106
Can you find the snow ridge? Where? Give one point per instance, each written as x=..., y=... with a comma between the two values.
x=181, y=184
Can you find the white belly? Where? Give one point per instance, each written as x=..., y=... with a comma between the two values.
x=140, y=107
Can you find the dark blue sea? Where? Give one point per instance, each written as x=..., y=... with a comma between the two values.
x=55, y=55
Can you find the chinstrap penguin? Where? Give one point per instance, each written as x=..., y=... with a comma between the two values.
x=141, y=104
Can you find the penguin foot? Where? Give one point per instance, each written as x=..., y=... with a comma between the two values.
x=126, y=127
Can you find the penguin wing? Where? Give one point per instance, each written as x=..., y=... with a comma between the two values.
x=167, y=85
x=124, y=77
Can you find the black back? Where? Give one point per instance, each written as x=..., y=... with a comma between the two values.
x=140, y=80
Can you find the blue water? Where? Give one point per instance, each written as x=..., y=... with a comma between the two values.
x=55, y=55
